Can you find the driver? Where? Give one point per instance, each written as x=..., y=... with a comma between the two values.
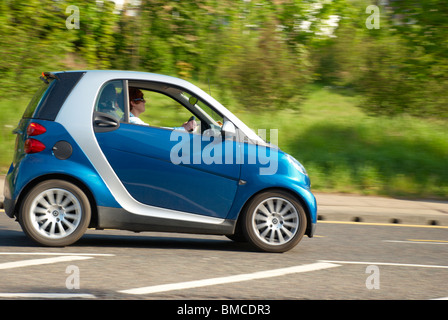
x=137, y=107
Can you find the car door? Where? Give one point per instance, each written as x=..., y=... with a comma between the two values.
x=170, y=168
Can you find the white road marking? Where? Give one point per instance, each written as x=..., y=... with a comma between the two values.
x=48, y=295
x=231, y=279
x=415, y=242
x=385, y=224
x=386, y=264
x=35, y=262
x=57, y=254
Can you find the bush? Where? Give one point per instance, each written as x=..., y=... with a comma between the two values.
x=265, y=73
x=398, y=79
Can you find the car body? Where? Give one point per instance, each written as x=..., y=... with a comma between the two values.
x=78, y=165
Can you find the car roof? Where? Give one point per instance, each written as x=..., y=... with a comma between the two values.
x=95, y=77
x=134, y=75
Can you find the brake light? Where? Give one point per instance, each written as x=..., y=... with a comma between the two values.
x=35, y=129
x=33, y=146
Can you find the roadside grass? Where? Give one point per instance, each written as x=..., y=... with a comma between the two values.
x=343, y=149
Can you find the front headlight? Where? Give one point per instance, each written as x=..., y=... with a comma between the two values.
x=296, y=164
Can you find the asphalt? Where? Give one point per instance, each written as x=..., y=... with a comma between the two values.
x=370, y=209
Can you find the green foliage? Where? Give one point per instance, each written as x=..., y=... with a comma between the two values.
x=400, y=68
x=265, y=73
x=33, y=38
x=404, y=72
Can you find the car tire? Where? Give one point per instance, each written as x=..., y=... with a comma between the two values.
x=274, y=221
x=55, y=213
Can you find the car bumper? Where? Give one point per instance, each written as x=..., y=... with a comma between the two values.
x=312, y=230
x=8, y=203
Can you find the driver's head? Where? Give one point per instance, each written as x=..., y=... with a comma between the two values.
x=136, y=101
x=135, y=94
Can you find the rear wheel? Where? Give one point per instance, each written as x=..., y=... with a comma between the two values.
x=55, y=213
x=274, y=221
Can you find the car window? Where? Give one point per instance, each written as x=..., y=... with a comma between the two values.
x=163, y=111
x=160, y=105
x=37, y=98
x=111, y=99
x=215, y=120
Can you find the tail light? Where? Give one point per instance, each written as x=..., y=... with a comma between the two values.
x=33, y=145
x=35, y=129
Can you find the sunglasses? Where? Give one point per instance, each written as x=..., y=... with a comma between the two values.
x=139, y=99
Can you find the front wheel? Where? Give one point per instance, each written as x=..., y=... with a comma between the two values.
x=274, y=221
x=55, y=213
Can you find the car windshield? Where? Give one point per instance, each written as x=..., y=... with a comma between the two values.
x=214, y=119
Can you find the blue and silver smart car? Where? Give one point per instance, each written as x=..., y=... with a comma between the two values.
x=81, y=163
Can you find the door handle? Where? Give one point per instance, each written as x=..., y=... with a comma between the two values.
x=103, y=122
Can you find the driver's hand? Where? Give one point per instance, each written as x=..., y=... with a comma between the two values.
x=190, y=125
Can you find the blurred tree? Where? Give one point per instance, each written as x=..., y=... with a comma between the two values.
x=406, y=66
x=95, y=40
x=263, y=72
x=34, y=38
x=422, y=25
x=268, y=61
x=400, y=68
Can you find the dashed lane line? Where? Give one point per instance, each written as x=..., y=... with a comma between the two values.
x=27, y=295
x=60, y=257
x=386, y=264
x=383, y=224
x=35, y=262
x=58, y=254
x=417, y=241
x=429, y=240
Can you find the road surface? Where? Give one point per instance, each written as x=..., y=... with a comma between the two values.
x=345, y=260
